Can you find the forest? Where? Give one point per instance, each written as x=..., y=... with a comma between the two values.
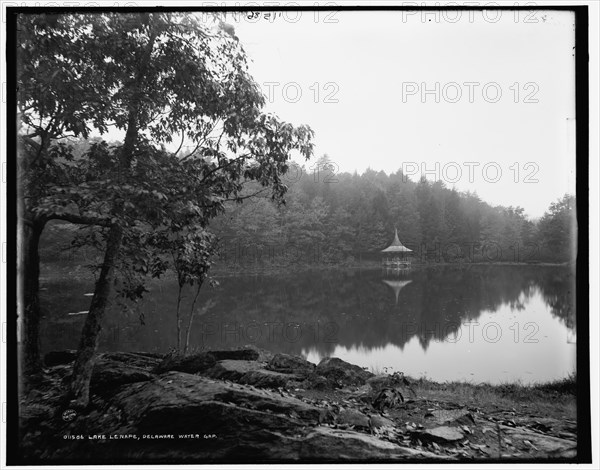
x=337, y=218
x=343, y=218
x=331, y=218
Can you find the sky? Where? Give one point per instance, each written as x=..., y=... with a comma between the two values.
x=483, y=100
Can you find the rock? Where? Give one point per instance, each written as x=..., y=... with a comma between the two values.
x=543, y=424
x=340, y=373
x=108, y=375
x=199, y=363
x=267, y=378
x=232, y=370
x=236, y=355
x=379, y=381
x=33, y=414
x=263, y=354
x=545, y=446
x=363, y=394
x=56, y=358
x=395, y=381
x=182, y=403
x=144, y=361
x=289, y=364
x=327, y=443
x=461, y=416
x=387, y=398
x=228, y=400
x=250, y=373
x=190, y=364
x=116, y=369
x=378, y=421
x=441, y=434
x=316, y=382
x=149, y=354
x=353, y=418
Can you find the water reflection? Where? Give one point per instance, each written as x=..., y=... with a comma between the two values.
x=419, y=321
x=396, y=286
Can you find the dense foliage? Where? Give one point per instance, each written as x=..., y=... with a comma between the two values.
x=154, y=77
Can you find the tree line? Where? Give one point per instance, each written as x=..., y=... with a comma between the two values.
x=333, y=218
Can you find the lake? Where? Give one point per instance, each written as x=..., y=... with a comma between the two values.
x=477, y=323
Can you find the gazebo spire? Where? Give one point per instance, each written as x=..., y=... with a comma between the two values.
x=396, y=239
x=396, y=245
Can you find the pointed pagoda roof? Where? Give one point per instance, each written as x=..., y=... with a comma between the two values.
x=396, y=246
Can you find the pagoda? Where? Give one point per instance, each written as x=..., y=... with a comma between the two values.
x=396, y=255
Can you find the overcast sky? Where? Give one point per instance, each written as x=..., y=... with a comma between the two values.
x=366, y=71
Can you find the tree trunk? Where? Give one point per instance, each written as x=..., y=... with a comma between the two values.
x=29, y=301
x=84, y=364
x=178, y=317
x=189, y=327
x=82, y=370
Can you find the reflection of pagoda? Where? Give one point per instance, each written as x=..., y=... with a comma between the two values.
x=396, y=255
x=396, y=285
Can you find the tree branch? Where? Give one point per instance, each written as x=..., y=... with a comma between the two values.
x=181, y=144
x=220, y=167
x=81, y=219
x=242, y=198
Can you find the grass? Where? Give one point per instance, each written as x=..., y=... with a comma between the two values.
x=553, y=399
x=565, y=386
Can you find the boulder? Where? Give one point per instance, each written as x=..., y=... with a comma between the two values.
x=182, y=403
x=316, y=382
x=459, y=416
x=250, y=373
x=199, y=363
x=543, y=446
x=378, y=421
x=146, y=361
x=441, y=434
x=231, y=369
x=267, y=378
x=353, y=418
x=325, y=443
x=110, y=374
x=196, y=363
x=115, y=369
x=289, y=364
x=339, y=373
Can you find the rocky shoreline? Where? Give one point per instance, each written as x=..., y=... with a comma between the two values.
x=250, y=406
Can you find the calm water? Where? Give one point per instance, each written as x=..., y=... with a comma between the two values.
x=483, y=324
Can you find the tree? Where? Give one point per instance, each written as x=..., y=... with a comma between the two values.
x=58, y=93
x=192, y=255
x=558, y=229
x=431, y=212
x=157, y=75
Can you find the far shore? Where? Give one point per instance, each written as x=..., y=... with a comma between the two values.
x=57, y=270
